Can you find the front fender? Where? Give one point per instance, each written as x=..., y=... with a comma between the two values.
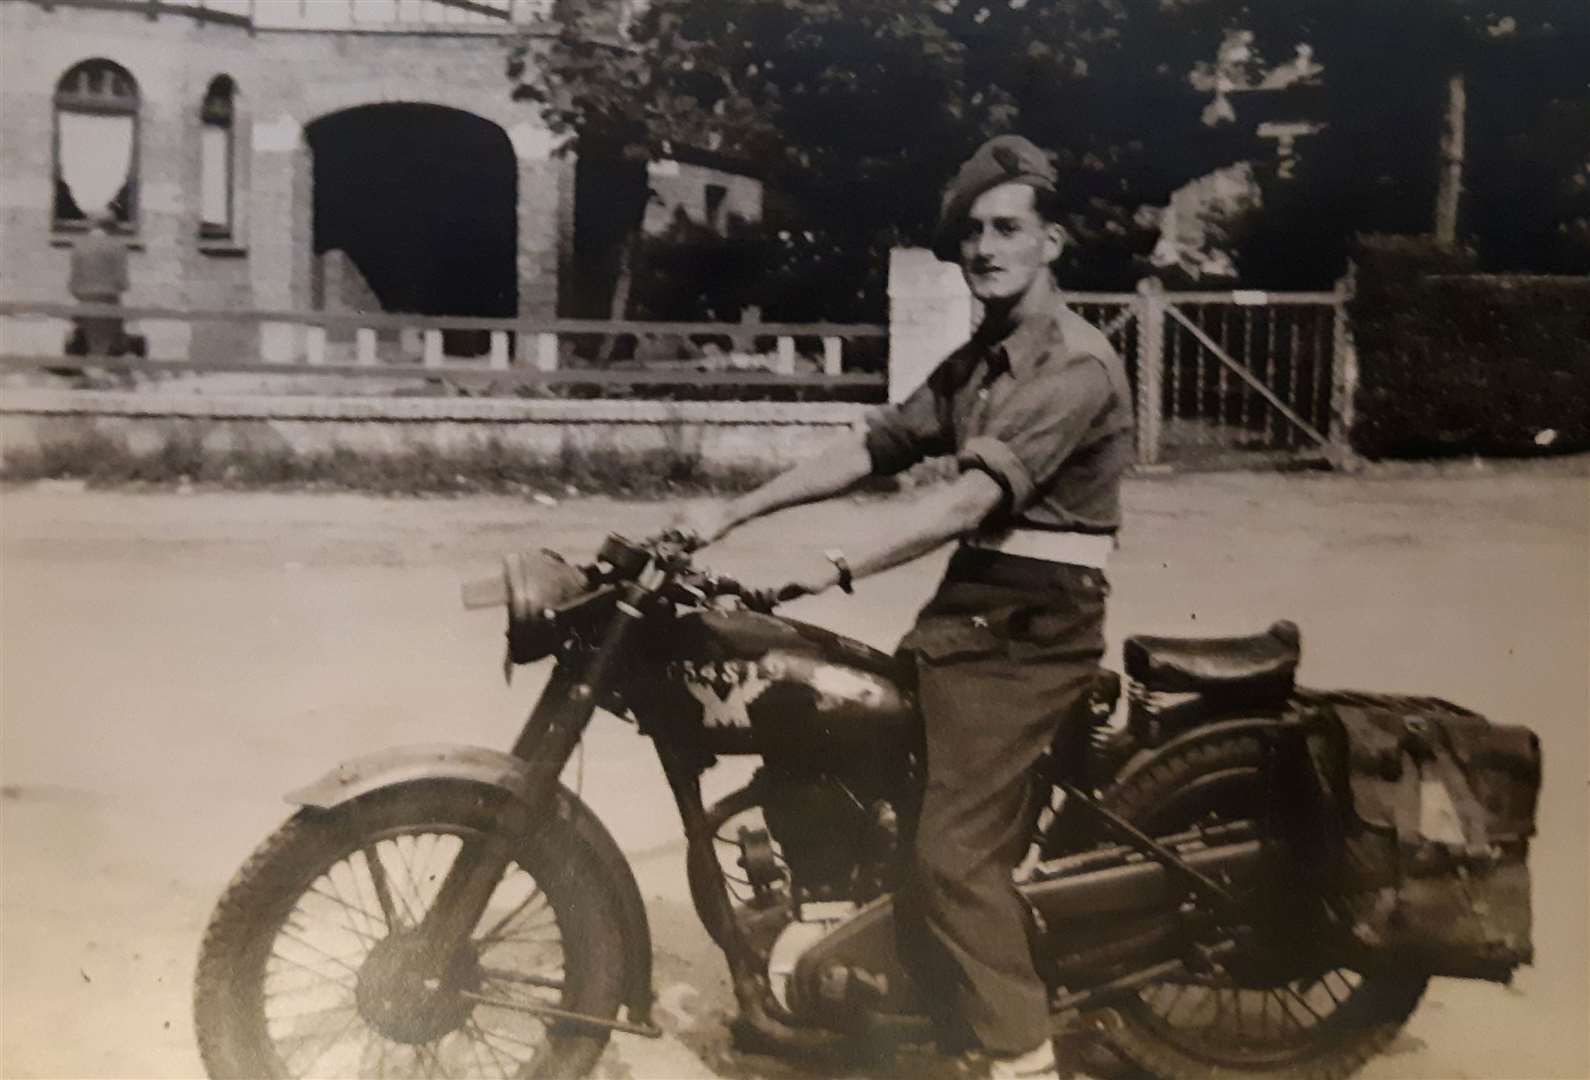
x=407, y=764
x=403, y=765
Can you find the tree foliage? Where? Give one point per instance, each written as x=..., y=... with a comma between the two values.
x=854, y=112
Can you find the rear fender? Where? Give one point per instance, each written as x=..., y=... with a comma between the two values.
x=404, y=765
x=1261, y=726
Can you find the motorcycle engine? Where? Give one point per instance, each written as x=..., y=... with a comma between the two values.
x=838, y=835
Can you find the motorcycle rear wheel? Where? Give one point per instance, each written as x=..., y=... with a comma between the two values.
x=310, y=963
x=1323, y=1024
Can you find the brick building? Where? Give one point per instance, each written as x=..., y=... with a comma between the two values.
x=241, y=142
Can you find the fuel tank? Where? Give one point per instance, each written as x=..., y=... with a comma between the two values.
x=739, y=682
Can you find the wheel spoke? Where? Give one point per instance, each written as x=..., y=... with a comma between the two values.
x=374, y=1048
x=1179, y=989
x=425, y=874
x=1324, y=983
x=282, y=1018
x=553, y=939
x=326, y=1047
x=474, y=1052
x=502, y=923
x=418, y=908
x=367, y=918
x=342, y=983
x=503, y=1035
x=383, y=891
x=358, y=907
x=1303, y=1001
x=499, y=1054
x=428, y=1050
x=317, y=949
x=349, y=910
x=1286, y=1013
x=1349, y=986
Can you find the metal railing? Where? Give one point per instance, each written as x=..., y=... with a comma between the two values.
x=482, y=352
x=444, y=16
x=1243, y=371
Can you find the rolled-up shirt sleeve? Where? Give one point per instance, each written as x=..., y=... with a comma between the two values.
x=1031, y=432
x=918, y=427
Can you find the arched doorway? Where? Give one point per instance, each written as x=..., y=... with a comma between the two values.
x=422, y=199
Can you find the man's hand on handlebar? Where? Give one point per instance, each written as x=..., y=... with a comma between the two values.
x=706, y=521
x=808, y=584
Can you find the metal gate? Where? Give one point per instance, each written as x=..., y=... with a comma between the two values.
x=1233, y=378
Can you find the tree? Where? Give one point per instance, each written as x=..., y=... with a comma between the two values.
x=853, y=112
x=842, y=107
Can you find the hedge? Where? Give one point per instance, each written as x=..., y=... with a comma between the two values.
x=1452, y=362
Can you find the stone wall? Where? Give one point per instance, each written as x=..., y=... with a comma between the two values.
x=723, y=434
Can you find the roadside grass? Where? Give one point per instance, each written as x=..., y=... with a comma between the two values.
x=101, y=461
x=96, y=459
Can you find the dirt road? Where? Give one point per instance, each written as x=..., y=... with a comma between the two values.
x=173, y=663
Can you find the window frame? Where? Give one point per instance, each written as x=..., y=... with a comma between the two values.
x=227, y=232
x=64, y=100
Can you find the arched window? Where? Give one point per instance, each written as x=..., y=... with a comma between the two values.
x=217, y=155
x=96, y=144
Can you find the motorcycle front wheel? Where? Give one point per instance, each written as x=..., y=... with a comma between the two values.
x=313, y=965
x=1290, y=1012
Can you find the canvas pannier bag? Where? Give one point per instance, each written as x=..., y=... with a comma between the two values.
x=1441, y=807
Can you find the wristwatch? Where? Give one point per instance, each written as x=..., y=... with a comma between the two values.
x=847, y=581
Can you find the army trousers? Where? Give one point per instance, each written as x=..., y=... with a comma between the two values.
x=1004, y=654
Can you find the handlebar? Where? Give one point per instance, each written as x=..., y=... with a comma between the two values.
x=669, y=550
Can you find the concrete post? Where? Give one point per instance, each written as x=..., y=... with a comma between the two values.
x=784, y=361
x=931, y=313
x=1150, y=368
x=499, y=350
x=315, y=346
x=278, y=195
x=546, y=352
x=364, y=346
x=833, y=356
x=1344, y=376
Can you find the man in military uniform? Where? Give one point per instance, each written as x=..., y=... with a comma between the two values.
x=1036, y=410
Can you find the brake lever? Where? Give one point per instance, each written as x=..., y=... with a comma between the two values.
x=687, y=542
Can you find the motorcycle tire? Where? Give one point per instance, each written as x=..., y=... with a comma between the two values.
x=1326, y=1025
x=283, y=925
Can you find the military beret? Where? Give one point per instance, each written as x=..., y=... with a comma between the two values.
x=1004, y=159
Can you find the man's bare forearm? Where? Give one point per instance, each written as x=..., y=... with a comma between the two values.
x=837, y=469
x=947, y=513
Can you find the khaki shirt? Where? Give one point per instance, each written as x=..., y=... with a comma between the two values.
x=1046, y=411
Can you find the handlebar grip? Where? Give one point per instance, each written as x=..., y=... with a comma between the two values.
x=485, y=592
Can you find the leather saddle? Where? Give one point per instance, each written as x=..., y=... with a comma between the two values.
x=1225, y=666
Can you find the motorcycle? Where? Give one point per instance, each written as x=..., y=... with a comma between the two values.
x=456, y=911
